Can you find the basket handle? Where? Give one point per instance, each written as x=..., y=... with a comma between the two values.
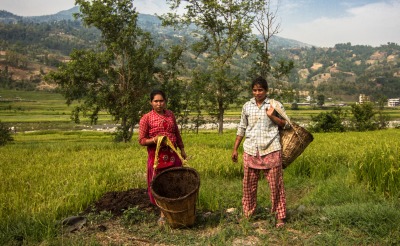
x=160, y=140
x=279, y=110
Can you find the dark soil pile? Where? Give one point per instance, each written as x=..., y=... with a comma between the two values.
x=116, y=202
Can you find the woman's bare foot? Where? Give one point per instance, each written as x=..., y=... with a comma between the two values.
x=280, y=223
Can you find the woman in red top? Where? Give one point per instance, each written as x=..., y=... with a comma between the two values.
x=159, y=122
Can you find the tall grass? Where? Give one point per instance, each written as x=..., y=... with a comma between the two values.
x=45, y=177
x=372, y=157
x=379, y=168
x=342, y=182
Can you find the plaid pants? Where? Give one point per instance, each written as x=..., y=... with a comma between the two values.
x=274, y=176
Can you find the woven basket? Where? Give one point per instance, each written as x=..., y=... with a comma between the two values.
x=176, y=191
x=294, y=141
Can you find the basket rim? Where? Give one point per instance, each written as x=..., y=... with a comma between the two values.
x=158, y=197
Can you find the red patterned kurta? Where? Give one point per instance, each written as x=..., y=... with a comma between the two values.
x=151, y=125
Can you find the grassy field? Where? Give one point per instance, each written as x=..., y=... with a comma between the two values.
x=343, y=190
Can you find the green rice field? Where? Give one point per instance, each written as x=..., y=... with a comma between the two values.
x=343, y=190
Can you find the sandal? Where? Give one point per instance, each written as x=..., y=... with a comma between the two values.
x=280, y=225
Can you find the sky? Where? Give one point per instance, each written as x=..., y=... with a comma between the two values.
x=322, y=23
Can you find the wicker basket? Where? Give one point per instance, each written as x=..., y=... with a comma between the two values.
x=294, y=141
x=175, y=191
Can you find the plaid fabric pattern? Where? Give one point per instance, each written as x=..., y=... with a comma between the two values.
x=261, y=132
x=274, y=176
x=153, y=124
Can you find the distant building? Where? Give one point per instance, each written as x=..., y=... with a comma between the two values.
x=363, y=99
x=393, y=102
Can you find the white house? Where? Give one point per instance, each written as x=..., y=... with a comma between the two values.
x=393, y=102
x=363, y=99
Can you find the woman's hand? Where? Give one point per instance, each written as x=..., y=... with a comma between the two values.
x=270, y=111
x=274, y=118
x=155, y=140
x=234, y=156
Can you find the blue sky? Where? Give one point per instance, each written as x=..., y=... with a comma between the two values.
x=321, y=23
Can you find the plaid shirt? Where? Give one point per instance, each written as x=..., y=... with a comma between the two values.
x=261, y=132
x=153, y=124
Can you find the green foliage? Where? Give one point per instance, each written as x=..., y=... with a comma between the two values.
x=362, y=119
x=117, y=79
x=46, y=41
x=5, y=134
x=221, y=39
x=320, y=100
x=294, y=106
x=328, y=121
x=382, y=120
x=282, y=69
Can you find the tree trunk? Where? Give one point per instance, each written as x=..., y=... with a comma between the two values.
x=220, y=117
x=124, y=130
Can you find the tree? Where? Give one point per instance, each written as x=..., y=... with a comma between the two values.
x=118, y=76
x=225, y=27
x=382, y=119
x=363, y=117
x=328, y=121
x=320, y=100
x=168, y=75
x=5, y=134
x=265, y=23
x=267, y=26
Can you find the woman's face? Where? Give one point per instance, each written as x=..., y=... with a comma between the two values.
x=158, y=103
x=259, y=93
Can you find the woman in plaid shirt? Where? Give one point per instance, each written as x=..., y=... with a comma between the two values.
x=259, y=125
x=159, y=122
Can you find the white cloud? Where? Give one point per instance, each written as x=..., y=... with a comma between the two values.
x=373, y=24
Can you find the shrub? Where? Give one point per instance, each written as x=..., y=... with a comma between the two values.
x=294, y=106
x=328, y=122
x=363, y=117
x=5, y=134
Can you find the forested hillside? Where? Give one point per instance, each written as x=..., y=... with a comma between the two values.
x=32, y=46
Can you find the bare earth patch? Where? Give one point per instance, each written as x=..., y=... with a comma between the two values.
x=114, y=230
x=117, y=202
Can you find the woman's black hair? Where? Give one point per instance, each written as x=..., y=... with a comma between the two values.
x=157, y=92
x=260, y=81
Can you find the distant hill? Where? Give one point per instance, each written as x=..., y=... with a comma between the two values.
x=7, y=17
x=150, y=23
x=32, y=46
